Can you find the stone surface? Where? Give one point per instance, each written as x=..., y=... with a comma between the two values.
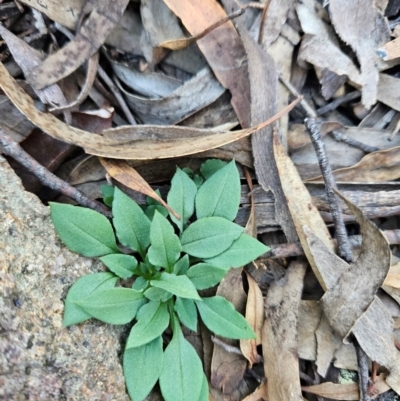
x=39, y=359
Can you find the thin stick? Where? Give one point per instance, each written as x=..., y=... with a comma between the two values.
x=228, y=348
x=330, y=185
x=337, y=102
x=338, y=136
x=12, y=148
x=363, y=374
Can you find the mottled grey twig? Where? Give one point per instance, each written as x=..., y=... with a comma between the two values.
x=363, y=374
x=12, y=148
x=337, y=216
x=338, y=136
x=337, y=102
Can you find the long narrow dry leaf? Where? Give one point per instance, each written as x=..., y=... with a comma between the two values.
x=124, y=149
x=365, y=29
x=92, y=34
x=281, y=361
x=393, y=277
x=255, y=317
x=383, y=165
x=127, y=175
x=345, y=391
x=222, y=48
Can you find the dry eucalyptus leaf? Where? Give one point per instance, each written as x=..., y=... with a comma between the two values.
x=260, y=394
x=279, y=340
x=361, y=20
x=255, y=317
x=122, y=148
x=309, y=319
x=388, y=89
x=222, y=48
x=393, y=277
x=101, y=20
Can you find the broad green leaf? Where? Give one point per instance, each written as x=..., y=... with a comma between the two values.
x=114, y=305
x=220, y=194
x=157, y=294
x=153, y=319
x=165, y=246
x=209, y=236
x=181, y=197
x=140, y=284
x=122, y=265
x=220, y=317
x=205, y=275
x=182, y=265
x=130, y=222
x=151, y=209
x=182, y=375
x=108, y=194
x=142, y=368
x=242, y=251
x=82, y=288
x=180, y=286
x=82, y=230
x=204, y=396
x=187, y=312
x=211, y=166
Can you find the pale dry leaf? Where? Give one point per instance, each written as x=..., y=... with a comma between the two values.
x=222, y=48
x=121, y=171
x=255, y=317
x=365, y=29
x=388, y=89
x=393, y=277
x=279, y=338
x=102, y=19
x=390, y=50
x=123, y=148
x=260, y=394
x=346, y=391
x=309, y=319
x=227, y=368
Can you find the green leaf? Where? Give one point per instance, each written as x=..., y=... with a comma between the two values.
x=165, y=246
x=205, y=275
x=151, y=209
x=220, y=194
x=187, y=312
x=220, y=317
x=140, y=284
x=153, y=319
x=204, y=390
x=114, y=305
x=142, y=368
x=108, y=194
x=82, y=288
x=198, y=180
x=182, y=265
x=82, y=230
x=182, y=375
x=211, y=166
x=157, y=294
x=209, y=236
x=242, y=251
x=151, y=201
x=130, y=222
x=122, y=265
x=180, y=286
x=181, y=197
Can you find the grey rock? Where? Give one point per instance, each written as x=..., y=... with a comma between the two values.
x=39, y=359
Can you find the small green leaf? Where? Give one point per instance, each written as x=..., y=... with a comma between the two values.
x=198, y=180
x=151, y=209
x=205, y=275
x=165, y=246
x=130, y=222
x=220, y=194
x=182, y=375
x=204, y=396
x=180, y=286
x=187, y=312
x=211, y=166
x=181, y=197
x=82, y=288
x=82, y=230
x=182, y=265
x=157, y=294
x=153, y=319
x=108, y=194
x=151, y=201
x=142, y=368
x=209, y=236
x=114, y=305
x=122, y=265
x=242, y=251
x=220, y=317
x=140, y=284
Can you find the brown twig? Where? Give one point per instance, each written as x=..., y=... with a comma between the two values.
x=295, y=248
x=337, y=216
x=363, y=374
x=12, y=149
